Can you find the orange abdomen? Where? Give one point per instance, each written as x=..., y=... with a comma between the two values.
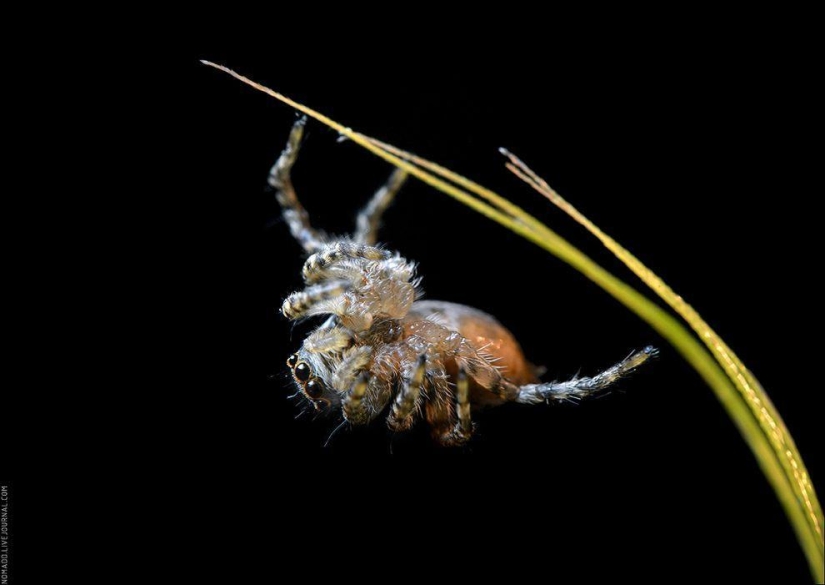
x=487, y=336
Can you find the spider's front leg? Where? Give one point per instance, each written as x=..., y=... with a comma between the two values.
x=368, y=392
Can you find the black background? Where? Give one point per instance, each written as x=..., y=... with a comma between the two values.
x=693, y=152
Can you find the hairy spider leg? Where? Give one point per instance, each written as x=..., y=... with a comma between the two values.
x=317, y=265
x=332, y=340
x=298, y=303
x=369, y=218
x=354, y=361
x=579, y=388
x=364, y=402
x=464, y=425
x=354, y=407
x=484, y=372
x=407, y=398
x=293, y=212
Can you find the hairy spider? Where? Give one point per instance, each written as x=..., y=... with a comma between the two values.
x=380, y=345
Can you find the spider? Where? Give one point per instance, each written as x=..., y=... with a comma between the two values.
x=381, y=348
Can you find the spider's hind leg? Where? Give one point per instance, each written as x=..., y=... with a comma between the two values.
x=578, y=388
x=369, y=218
x=280, y=180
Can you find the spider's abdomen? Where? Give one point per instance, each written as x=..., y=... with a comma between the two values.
x=486, y=335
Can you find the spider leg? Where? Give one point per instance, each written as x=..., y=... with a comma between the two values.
x=354, y=361
x=369, y=218
x=365, y=400
x=400, y=418
x=484, y=373
x=449, y=415
x=298, y=303
x=317, y=266
x=379, y=283
x=294, y=213
x=464, y=425
x=438, y=403
x=354, y=407
x=578, y=388
x=331, y=340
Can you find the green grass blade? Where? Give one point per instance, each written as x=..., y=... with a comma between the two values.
x=735, y=387
x=761, y=407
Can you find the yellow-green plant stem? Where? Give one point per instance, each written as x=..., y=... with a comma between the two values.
x=755, y=397
x=727, y=384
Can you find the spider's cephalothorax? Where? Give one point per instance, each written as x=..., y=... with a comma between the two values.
x=380, y=348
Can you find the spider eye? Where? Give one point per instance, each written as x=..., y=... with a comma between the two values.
x=302, y=372
x=313, y=389
x=292, y=360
